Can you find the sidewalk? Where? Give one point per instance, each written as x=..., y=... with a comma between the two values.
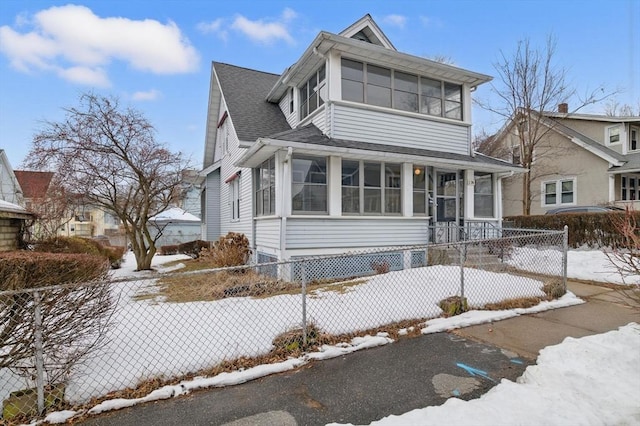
x=410, y=373
x=605, y=310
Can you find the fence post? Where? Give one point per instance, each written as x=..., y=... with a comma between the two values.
x=303, y=274
x=565, y=249
x=38, y=343
x=463, y=256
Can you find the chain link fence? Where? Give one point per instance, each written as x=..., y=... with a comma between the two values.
x=130, y=336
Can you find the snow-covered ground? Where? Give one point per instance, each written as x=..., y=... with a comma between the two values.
x=146, y=355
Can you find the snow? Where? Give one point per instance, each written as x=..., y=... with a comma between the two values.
x=592, y=380
x=591, y=265
x=6, y=206
x=174, y=214
x=179, y=328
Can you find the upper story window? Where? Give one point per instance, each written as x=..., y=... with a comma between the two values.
x=374, y=85
x=309, y=192
x=613, y=135
x=310, y=99
x=265, y=193
x=634, y=133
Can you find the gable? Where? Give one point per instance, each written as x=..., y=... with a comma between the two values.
x=34, y=184
x=365, y=29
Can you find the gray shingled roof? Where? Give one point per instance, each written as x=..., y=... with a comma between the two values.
x=632, y=164
x=245, y=91
x=310, y=134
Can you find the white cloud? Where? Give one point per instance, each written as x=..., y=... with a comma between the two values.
x=213, y=27
x=395, y=20
x=149, y=95
x=77, y=44
x=431, y=22
x=85, y=75
x=263, y=31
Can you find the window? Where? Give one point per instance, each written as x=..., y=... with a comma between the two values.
x=371, y=188
x=422, y=191
x=558, y=192
x=234, y=198
x=633, y=138
x=613, y=135
x=483, y=195
x=265, y=177
x=309, y=192
x=389, y=88
x=310, y=99
x=291, y=101
x=630, y=186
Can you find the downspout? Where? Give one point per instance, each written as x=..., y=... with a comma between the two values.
x=283, y=202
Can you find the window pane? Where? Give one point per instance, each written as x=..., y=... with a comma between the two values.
x=484, y=184
x=310, y=198
x=321, y=73
x=483, y=205
x=350, y=173
x=309, y=170
x=378, y=76
x=431, y=106
x=431, y=88
x=313, y=102
x=380, y=96
x=350, y=200
x=405, y=82
x=372, y=200
x=452, y=92
x=453, y=110
x=372, y=174
x=446, y=209
x=419, y=202
x=392, y=176
x=352, y=70
x=392, y=200
x=352, y=91
x=405, y=101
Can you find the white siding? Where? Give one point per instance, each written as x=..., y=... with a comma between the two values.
x=332, y=233
x=292, y=118
x=268, y=233
x=361, y=124
x=320, y=119
x=212, y=208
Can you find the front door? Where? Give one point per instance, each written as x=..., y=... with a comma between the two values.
x=448, y=206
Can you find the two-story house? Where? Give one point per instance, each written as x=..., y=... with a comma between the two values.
x=579, y=160
x=355, y=146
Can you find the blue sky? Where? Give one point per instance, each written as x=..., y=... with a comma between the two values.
x=156, y=55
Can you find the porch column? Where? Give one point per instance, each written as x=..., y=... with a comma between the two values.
x=334, y=190
x=407, y=189
x=469, y=187
x=612, y=188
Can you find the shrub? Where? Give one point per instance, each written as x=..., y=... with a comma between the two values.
x=585, y=229
x=81, y=245
x=454, y=305
x=22, y=270
x=168, y=249
x=230, y=250
x=193, y=248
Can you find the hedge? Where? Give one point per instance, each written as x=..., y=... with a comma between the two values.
x=25, y=269
x=81, y=245
x=585, y=229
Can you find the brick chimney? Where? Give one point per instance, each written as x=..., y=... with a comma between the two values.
x=563, y=108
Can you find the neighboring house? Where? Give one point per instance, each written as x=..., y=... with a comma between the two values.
x=355, y=146
x=13, y=222
x=10, y=189
x=190, y=190
x=78, y=218
x=175, y=226
x=582, y=160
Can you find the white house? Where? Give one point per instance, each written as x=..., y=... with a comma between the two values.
x=355, y=146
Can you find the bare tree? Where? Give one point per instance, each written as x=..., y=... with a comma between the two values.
x=613, y=108
x=53, y=210
x=528, y=85
x=110, y=156
x=625, y=255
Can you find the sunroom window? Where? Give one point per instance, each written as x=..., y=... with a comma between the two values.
x=422, y=190
x=371, y=188
x=265, y=193
x=374, y=85
x=309, y=192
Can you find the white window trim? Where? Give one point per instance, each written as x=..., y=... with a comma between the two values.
x=234, y=199
x=637, y=130
x=494, y=190
x=627, y=187
x=558, y=183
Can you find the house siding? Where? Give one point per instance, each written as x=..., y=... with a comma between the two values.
x=9, y=230
x=345, y=233
x=292, y=117
x=362, y=124
x=268, y=233
x=212, y=212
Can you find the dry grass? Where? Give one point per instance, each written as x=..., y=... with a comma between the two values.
x=520, y=302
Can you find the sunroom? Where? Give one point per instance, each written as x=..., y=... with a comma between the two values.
x=313, y=195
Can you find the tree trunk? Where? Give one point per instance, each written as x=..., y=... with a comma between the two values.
x=526, y=194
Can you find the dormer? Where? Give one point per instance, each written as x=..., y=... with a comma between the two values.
x=365, y=29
